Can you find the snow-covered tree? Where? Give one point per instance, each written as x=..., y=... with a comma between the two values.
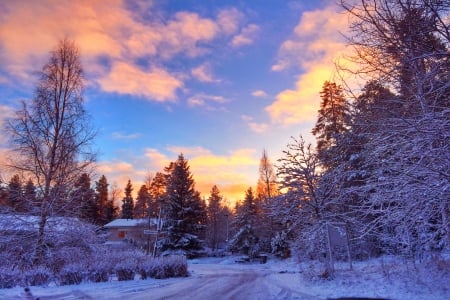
x=404, y=44
x=185, y=213
x=245, y=240
x=51, y=135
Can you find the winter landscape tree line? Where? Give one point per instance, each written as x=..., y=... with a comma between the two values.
x=376, y=182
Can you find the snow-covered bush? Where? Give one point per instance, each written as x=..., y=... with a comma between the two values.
x=71, y=274
x=38, y=276
x=280, y=246
x=10, y=277
x=164, y=267
x=126, y=269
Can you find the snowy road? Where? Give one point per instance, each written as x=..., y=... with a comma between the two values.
x=209, y=281
x=228, y=282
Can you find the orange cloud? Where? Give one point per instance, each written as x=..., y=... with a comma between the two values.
x=315, y=47
x=108, y=30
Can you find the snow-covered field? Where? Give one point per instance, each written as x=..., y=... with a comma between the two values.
x=223, y=278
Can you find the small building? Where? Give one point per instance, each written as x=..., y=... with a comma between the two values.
x=139, y=232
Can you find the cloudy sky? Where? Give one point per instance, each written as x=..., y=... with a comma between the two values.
x=218, y=81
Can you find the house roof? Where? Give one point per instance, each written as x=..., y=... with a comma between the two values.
x=128, y=223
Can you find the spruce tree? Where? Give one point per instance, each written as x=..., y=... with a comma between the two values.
x=84, y=197
x=185, y=211
x=127, y=202
x=29, y=195
x=214, y=217
x=246, y=240
x=332, y=123
x=101, y=190
x=15, y=194
x=143, y=202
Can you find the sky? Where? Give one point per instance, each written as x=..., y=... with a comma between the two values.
x=218, y=81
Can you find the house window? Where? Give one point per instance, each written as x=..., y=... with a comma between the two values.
x=121, y=234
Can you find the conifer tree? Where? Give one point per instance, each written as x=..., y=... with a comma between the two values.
x=84, y=198
x=143, y=202
x=101, y=189
x=185, y=211
x=331, y=124
x=214, y=217
x=245, y=240
x=29, y=195
x=157, y=192
x=127, y=202
x=15, y=194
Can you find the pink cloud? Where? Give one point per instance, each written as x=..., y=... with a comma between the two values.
x=155, y=84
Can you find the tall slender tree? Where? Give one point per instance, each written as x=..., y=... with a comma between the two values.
x=332, y=123
x=143, y=201
x=127, y=202
x=101, y=190
x=84, y=199
x=52, y=134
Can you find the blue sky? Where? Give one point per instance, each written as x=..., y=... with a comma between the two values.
x=218, y=81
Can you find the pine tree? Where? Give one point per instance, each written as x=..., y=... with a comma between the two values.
x=127, y=202
x=29, y=195
x=84, y=197
x=157, y=192
x=331, y=124
x=15, y=194
x=143, y=202
x=101, y=189
x=214, y=217
x=185, y=211
x=245, y=240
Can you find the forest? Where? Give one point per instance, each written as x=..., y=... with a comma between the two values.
x=376, y=182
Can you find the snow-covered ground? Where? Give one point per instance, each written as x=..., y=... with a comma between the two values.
x=223, y=278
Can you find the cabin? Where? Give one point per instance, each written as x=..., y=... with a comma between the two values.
x=138, y=232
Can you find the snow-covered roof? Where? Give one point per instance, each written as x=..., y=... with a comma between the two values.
x=124, y=223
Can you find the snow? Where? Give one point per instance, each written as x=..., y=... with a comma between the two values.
x=223, y=278
x=121, y=223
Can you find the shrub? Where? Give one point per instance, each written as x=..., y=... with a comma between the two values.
x=71, y=274
x=126, y=269
x=38, y=276
x=9, y=278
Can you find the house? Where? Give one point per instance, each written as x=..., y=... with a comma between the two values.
x=140, y=232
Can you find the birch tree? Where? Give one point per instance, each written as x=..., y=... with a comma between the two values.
x=51, y=135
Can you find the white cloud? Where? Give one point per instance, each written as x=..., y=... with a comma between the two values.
x=259, y=94
x=210, y=102
x=125, y=136
x=255, y=126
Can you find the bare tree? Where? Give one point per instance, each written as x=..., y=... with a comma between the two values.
x=51, y=136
